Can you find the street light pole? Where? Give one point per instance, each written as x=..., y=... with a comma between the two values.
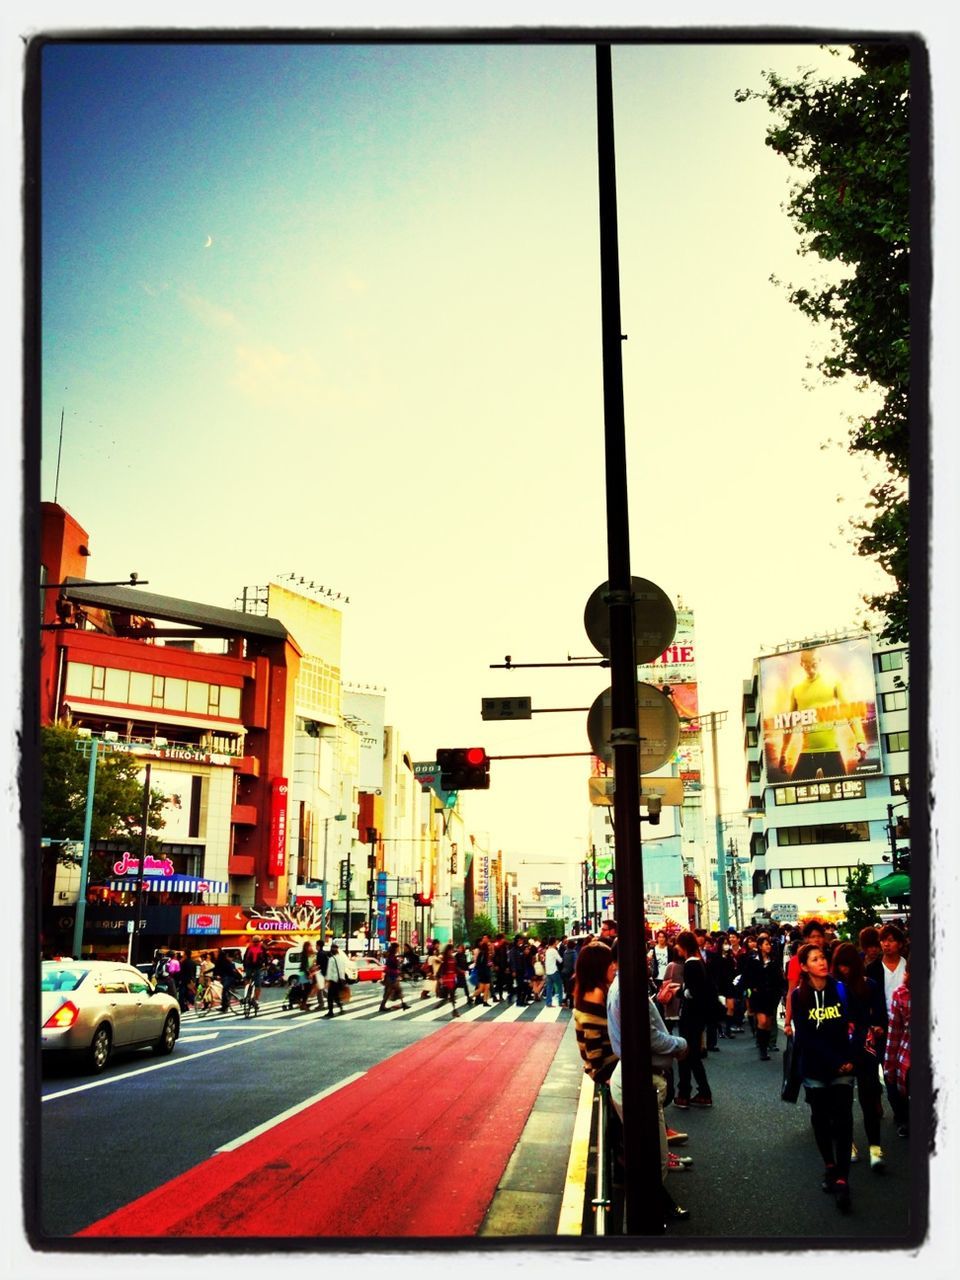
x=79, y=918
x=144, y=817
x=644, y=1212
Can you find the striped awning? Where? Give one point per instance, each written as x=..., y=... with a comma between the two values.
x=171, y=884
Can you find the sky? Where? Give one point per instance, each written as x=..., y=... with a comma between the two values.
x=384, y=370
x=335, y=311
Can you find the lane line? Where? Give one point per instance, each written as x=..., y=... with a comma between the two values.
x=169, y=1062
x=570, y=1222
x=291, y=1111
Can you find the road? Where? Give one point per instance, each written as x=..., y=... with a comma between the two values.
x=146, y=1125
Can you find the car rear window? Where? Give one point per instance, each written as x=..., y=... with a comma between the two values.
x=62, y=979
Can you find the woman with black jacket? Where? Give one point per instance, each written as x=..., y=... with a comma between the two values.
x=699, y=994
x=866, y=1010
x=765, y=983
x=826, y=1052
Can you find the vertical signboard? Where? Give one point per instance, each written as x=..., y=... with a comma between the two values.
x=382, y=905
x=277, y=852
x=392, y=917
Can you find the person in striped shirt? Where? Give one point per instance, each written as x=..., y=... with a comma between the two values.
x=594, y=972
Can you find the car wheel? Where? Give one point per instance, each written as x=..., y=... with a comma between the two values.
x=168, y=1036
x=98, y=1055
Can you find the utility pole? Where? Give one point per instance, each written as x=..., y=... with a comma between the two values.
x=145, y=814
x=79, y=918
x=643, y=1202
x=711, y=720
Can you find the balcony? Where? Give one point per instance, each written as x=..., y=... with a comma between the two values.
x=241, y=864
x=244, y=815
x=247, y=766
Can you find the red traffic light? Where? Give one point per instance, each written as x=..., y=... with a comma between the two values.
x=463, y=768
x=475, y=755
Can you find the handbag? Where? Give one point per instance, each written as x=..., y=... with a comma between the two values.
x=790, y=1085
x=344, y=993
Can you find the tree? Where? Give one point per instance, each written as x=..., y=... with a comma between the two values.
x=849, y=142
x=481, y=924
x=861, y=902
x=117, y=797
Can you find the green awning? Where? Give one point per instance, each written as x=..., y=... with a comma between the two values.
x=895, y=885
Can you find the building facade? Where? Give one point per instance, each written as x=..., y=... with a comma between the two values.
x=826, y=743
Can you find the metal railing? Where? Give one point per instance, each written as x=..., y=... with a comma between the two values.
x=601, y=1200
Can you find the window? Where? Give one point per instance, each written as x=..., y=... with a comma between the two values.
x=229, y=702
x=751, y=737
x=892, y=661
x=896, y=701
x=157, y=698
x=813, y=877
x=198, y=697
x=827, y=833
x=111, y=987
x=116, y=686
x=97, y=681
x=175, y=694
x=79, y=677
x=141, y=688
x=138, y=986
x=896, y=741
x=753, y=771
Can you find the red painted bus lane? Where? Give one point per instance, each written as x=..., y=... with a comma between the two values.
x=416, y=1147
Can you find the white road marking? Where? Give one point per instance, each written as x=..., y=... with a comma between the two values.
x=291, y=1111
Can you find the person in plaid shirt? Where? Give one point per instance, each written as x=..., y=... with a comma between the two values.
x=896, y=1062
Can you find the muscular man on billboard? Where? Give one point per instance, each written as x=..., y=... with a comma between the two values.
x=820, y=755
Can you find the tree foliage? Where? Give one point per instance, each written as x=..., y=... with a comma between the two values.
x=117, y=797
x=481, y=924
x=848, y=142
x=861, y=902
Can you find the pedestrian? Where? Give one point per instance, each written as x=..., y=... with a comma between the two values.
x=865, y=1010
x=335, y=979
x=447, y=978
x=482, y=972
x=812, y=932
x=699, y=996
x=518, y=965
x=664, y=1050
x=658, y=956
x=551, y=967
x=431, y=970
x=536, y=972
x=888, y=973
x=309, y=978
x=595, y=970
x=255, y=961
x=822, y=1040
x=896, y=1063
x=187, y=986
x=502, y=985
x=568, y=961
x=668, y=995
x=226, y=973
x=391, y=978
x=172, y=973
x=765, y=983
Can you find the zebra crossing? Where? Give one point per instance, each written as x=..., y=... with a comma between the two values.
x=363, y=1006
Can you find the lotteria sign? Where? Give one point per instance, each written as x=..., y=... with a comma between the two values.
x=278, y=826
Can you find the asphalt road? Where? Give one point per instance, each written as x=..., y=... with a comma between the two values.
x=756, y=1172
x=106, y=1140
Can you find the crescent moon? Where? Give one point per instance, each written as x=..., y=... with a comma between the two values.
x=208, y=242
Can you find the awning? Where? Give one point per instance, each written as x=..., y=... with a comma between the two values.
x=171, y=884
x=895, y=885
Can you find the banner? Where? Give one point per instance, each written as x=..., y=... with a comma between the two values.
x=819, y=708
x=392, y=916
x=277, y=851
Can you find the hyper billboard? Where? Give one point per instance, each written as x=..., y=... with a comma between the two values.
x=819, y=708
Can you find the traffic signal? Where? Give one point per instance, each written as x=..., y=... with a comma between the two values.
x=423, y=899
x=463, y=768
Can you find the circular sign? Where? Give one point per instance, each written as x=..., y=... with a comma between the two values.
x=654, y=620
x=657, y=722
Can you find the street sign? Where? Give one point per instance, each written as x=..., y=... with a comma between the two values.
x=657, y=722
x=506, y=708
x=784, y=911
x=654, y=619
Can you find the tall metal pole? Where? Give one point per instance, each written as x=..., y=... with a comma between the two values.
x=713, y=719
x=643, y=1201
x=595, y=914
x=346, y=927
x=81, y=911
x=144, y=816
x=323, y=882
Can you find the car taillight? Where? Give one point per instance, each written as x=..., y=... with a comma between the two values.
x=65, y=1016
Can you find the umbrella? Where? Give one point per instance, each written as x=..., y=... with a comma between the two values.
x=895, y=885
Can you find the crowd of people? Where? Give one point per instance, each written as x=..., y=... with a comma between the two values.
x=846, y=1020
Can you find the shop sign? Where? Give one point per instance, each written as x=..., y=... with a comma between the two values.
x=127, y=866
x=278, y=827
x=203, y=922
x=392, y=914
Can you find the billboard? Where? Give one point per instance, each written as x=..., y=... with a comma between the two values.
x=819, y=709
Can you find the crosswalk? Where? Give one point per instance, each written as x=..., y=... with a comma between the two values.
x=364, y=1005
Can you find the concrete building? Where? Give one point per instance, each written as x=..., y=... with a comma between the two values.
x=826, y=742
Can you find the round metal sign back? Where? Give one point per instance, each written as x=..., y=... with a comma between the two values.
x=658, y=727
x=654, y=620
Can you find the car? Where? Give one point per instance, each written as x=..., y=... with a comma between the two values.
x=89, y=1008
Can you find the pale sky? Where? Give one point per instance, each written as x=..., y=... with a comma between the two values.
x=335, y=310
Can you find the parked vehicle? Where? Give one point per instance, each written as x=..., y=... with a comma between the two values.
x=92, y=1007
